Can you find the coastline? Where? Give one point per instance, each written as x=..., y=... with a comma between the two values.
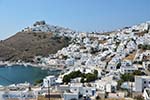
x=42, y=66
x=28, y=65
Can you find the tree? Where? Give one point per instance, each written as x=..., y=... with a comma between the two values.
x=118, y=65
x=119, y=83
x=90, y=77
x=138, y=72
x=139, y=46
x=66, y=79
x=144, y=46
x=117, y=43
x=127, y=77
x=74, y=74
x=82, y=80
x=96, y=72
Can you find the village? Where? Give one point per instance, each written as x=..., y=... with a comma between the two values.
x=96, y=66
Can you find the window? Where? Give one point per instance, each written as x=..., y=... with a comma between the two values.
x=128, y=71
x=86, y=91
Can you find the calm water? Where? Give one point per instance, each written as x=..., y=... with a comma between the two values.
x=20, y=74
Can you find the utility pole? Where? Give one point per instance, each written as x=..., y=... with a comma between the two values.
x=131, y=89
x=48, y=90
x=128, y=85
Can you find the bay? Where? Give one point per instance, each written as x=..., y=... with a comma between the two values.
x=20, y=74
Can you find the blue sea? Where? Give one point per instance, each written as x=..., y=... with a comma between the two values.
x=20, y=74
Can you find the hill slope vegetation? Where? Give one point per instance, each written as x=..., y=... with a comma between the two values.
x=26, y=45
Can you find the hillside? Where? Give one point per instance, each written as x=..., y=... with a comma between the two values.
x=26, y=45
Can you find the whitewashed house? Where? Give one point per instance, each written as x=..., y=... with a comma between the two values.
x=146, y=64
x=76, y=88
x=18, y=95
x=146, y=94
x=142, y=82
x=82, y=90
x=106, y=85
x=89, y=91
x=63, y=88
x=112, y=66
x=70, y=61
x=71, y=96
x=128, y=69
x=49, y=81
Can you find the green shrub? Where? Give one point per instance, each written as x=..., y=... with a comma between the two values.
x=144, y=46
x=84, y=77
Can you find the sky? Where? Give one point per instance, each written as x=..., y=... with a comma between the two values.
x=80, y=15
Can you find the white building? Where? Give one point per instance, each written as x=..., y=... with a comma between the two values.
x=89, y=91
x=110, y=88
x=51, y=80
x=63, y=88
x=82, y=90
x=146, y=94
x=18, y=95
x=106, y=85
x=112, y=66
x=128, y=69
x=70, y=62
x=70, y=96
x=142, y=82
x=118, y=95
x=76, y=87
